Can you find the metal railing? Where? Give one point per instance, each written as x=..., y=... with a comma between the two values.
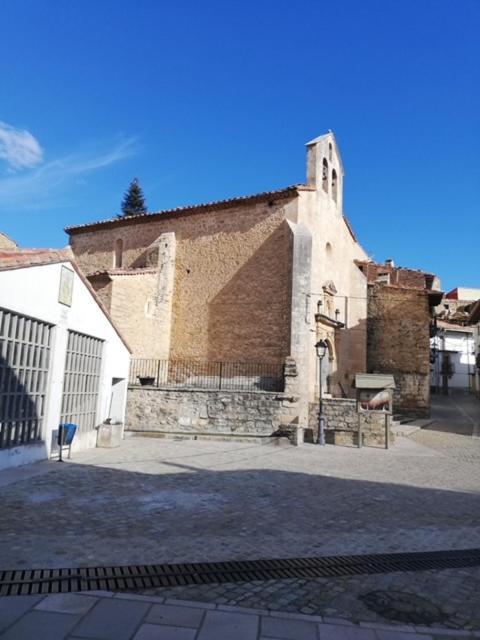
x=191, y=374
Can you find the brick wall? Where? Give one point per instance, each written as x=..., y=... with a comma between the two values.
x=398, y=343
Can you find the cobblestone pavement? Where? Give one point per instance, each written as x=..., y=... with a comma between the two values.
x=454, y=592
x=108, y=616
x=152, y=501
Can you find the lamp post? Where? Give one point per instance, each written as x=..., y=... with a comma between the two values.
x=321, y=348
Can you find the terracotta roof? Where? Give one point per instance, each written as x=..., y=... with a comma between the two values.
x=124, y=271
x=189, y=209
x=24, y=258
x=451, y=326
x=21, y=258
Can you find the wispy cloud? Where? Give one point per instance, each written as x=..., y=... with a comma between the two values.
x=45, y=184
x=18, y=148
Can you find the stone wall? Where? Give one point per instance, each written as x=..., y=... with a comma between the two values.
x=210, y=413
x=342, y=424
x=229, y=287
x=398, y=332
x=412, y=394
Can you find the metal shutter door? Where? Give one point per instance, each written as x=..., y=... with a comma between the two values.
x=81, y=381
x=24, y=364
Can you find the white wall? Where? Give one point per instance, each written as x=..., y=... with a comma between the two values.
x=323, y=216
x=33, y=291
x=461, y=345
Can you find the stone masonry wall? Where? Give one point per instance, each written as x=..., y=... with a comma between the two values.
x=412, y=395
x=231, y=284
x=398, y=333
x=218, y=413
x=341, y=423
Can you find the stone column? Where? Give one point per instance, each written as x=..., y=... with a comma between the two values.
x=299, y=338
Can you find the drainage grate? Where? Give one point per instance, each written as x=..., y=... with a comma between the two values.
x=139, y=577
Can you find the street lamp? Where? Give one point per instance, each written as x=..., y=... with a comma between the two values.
x=321, y=348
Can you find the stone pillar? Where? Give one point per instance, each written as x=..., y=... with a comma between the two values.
x=161, y=256
x=299, y=338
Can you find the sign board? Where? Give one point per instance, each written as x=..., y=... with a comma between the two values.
x=65, y=293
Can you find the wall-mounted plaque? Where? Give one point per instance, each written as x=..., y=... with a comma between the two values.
x=65, y=293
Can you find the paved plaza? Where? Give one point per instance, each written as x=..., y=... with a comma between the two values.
x=160, y=501
x=155, y=501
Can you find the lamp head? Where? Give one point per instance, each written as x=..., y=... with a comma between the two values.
x=321, y=348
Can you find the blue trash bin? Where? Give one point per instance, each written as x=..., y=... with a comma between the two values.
x=66, y=433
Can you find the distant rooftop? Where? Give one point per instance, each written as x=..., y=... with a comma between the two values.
x=388, y=273
x=464, y=293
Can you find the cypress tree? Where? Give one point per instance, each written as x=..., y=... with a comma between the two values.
x=134, y=201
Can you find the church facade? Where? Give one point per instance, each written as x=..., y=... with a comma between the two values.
x=258, y=279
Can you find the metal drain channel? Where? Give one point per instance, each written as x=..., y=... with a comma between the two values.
x=139, y=577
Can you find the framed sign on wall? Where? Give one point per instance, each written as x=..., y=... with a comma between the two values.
x=65, y=293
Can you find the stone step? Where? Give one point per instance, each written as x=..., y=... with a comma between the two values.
x=217, y=437
x=406, y=430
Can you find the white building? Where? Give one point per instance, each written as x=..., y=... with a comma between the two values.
x=453, y=366
x=61, y=358
x=474, y=321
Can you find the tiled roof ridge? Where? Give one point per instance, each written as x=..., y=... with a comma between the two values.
x=402, y=287
x=141, y=217
x=12, y=258
x=124, y=271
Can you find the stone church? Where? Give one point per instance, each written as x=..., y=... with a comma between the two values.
x=261, y=279
x=257, y=278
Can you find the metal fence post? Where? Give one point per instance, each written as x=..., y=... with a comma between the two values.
x=220, y=376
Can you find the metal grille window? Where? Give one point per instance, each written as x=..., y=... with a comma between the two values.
x=24, y=363
x=81, y=380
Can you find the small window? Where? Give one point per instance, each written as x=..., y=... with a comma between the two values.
x=334, y=185
x=325, y=175
x=330, y=151
x=328, y=249
x=383, y=278
x=118, y=258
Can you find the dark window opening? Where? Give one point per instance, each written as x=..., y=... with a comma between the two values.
x=334, y=185
x=118, y=260
x=325, y=175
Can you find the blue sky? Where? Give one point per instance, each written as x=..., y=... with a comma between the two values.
x=208, y=100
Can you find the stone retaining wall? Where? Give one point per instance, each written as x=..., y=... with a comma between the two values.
x=217, y=413
x=342, y=423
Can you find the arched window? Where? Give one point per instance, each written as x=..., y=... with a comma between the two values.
x=334, y=185
x=325, y=175
x=118, y=257
x=330, y=151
